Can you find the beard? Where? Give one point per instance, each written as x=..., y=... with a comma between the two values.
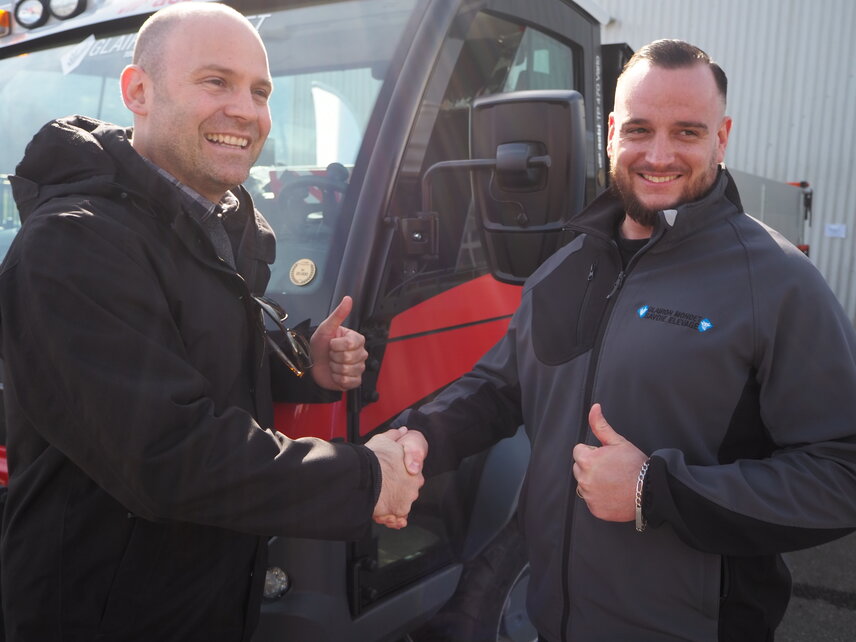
x=636, y=210
x=633, y=207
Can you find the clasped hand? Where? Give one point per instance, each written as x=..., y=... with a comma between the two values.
x=401, y=454
x=339, y=356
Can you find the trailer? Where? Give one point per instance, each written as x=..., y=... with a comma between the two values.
x=786, y=207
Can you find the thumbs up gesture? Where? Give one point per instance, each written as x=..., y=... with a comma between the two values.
x=338, y=353
x=606, y=476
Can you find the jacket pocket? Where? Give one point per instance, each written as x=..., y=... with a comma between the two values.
x=568, y=305
x=132, y=584
x=715, y=584
x=724, y=580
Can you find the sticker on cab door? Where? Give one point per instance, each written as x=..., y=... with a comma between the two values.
x=302, y=272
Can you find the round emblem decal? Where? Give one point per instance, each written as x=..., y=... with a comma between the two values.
x=302, y=272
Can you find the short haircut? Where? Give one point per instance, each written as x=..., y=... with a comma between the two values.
x=154, y=34
x=677, y=54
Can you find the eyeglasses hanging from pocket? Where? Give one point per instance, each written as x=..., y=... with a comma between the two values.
x=295, y=351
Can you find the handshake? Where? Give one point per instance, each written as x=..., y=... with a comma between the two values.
x=401, y=453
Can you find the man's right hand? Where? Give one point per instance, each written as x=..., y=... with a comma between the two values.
x=399, y=488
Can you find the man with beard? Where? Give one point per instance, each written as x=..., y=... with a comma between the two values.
x=725, y=365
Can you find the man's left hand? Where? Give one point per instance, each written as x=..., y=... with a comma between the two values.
x=338, y=353
x=606, y=476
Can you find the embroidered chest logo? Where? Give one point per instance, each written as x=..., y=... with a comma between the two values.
x=675, y=317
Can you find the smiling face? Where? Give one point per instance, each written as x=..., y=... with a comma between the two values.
x=667, y=135
x=201, y=112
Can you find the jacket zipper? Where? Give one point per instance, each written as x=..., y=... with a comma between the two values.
x=586, y=297
x=589, y=388
x=255, y=317
x=617, y=285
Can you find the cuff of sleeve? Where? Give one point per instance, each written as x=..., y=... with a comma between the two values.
x=376, y=476
x=417, y=422
x=370, y=475
x=655, y=486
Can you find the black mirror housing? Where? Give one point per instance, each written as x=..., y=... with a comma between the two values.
x=538, y=184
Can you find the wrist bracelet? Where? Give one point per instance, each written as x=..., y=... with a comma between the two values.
x=641, y=522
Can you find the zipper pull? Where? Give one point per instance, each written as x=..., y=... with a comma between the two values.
x=617, y=284
x=591, y=271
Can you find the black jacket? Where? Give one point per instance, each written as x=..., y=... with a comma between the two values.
x=144, y=467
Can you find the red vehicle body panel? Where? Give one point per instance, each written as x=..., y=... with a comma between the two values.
x=4, y=467
x=430, y=345
x=474, y=301
x=323, y=420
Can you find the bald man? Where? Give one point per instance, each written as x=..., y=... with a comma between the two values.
x=145, y=471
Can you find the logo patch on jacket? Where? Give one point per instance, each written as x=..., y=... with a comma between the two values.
x=675, y=317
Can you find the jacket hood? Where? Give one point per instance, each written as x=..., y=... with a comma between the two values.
x=77, y=155
x=81, y=155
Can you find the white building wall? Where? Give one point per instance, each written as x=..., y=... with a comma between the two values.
x=791, y=68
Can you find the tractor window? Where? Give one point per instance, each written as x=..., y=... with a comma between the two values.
x=497, y=56
x=541, y=63
x=328, y=67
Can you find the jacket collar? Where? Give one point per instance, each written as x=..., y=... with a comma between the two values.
x=166, y=201
x=606, y=212
x=81, y=155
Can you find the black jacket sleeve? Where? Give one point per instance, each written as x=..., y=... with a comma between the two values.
x=100, y=371
x=474, y=412
x=799, y=493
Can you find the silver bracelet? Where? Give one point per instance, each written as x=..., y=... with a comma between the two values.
x=641, y=522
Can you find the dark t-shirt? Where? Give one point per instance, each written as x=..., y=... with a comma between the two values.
x=628, y=247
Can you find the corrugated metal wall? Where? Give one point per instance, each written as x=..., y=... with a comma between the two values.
x=792, y=93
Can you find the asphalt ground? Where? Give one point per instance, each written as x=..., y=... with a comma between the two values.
x=823, y=605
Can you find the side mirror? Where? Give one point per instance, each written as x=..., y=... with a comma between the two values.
x=537, y=141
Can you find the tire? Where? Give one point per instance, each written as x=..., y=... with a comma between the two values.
x=489, y=604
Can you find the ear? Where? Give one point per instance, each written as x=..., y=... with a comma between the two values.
x=610, y=134
x=722, y=138
x=136, y=89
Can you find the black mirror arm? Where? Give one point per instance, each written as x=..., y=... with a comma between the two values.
x=475, y=163
x=502, y=162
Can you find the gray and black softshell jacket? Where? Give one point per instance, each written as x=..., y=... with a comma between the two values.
x=721, y=352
